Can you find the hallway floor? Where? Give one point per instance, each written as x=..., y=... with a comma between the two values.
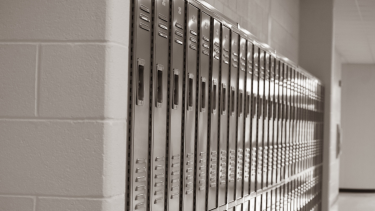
x=356, y=202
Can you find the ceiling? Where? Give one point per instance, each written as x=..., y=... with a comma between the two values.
x=355, y=30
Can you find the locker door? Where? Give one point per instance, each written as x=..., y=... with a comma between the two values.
x=224, y=114
x=258, y=203
x=281, y=128
x=241, y=96
x=203, y=112
x=249, y=75
x=294, y=119
x=191, y=77
x=140, y=106
x=232, y=141
x=254, y=122
x=246, y=206
x=266, y=107
x=274, y=88
x=288, y=121
x=214, y=116
x=277, y=117
x=260, y=136
x=298, y=119
x=271, y=154
x=285, y=121
x=160, y=105
x=175, y=104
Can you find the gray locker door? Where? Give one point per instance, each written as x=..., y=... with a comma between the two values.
x=266, y=123
x=175, y=103
x=140, y=100
x=293, y=121
x=288, y=120
x=277, y=125
x=248, y=118
x=260, y=182
x=254, y=122
x=192, y=42
x=232, y=141
x=271, y=150
x=202, y=112
x=284, y=117
x=241, y=98
x=214, y=116
x=224, y=113
x=160, y=105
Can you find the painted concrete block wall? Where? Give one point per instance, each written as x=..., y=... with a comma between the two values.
x=63, y=96
x=358, y=119
x=275, y=22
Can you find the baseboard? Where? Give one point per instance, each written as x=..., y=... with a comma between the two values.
x=349, y=190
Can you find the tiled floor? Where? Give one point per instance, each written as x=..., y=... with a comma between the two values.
x=356, y=202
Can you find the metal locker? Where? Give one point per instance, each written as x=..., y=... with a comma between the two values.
x=246, y=206
x=176, y=76
x=289, y=136
x=139, y=126
x=224, y=115
x=264, y=201
x=271, y=112
x=258, y=203
x=252, y=204
x=266, y=117
x=254, y=186
x=299, y=122
x=281, y=128
x=159, y=105
x=275, y=141
x=191, y=77
x=269, y=200
x=232, y=141
x=292, y=122
x=241, y=96
x=278, y=122
x=260, y=181
x=202, y=112
x=248, y=118
x=286, y=119
x=214, y=156
x=295, y=122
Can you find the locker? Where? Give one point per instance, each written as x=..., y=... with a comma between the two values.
x=258, y=203
x=276, y=141
x=248, y=118
x=159, y=105
x=292, y=123
x=261, y=109
x=138, y=159
x=191, y=101
x=224, y=116
x=269, y=200
x=254, y=121
x=232, y=141
x=288, y=120
x=241, y=98
x=246, y=206
x=282, y=120
x=271, y=117
x=266, y=117
x=214, y=156
x=202, y=112
x=176, y=74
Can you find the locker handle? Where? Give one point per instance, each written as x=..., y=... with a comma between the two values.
x=214, y=87
x=203, y=94
x=223, y=93
x=159, y=85
x=240, y=101
x=175, y=89
x=232, y=100
x=247, y=104
x=140, y=82
x=190, y=92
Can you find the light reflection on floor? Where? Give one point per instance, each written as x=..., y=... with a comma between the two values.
x=356, y=202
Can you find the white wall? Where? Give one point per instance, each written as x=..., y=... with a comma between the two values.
x=63, y=104
x=275, y=22
x=357, y=168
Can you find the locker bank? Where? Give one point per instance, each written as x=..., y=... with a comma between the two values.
x=217, y=120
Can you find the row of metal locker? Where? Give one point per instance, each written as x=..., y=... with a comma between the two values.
x=215, y=117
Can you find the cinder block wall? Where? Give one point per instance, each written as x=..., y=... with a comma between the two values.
x=63, y=96
x=275, y=22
